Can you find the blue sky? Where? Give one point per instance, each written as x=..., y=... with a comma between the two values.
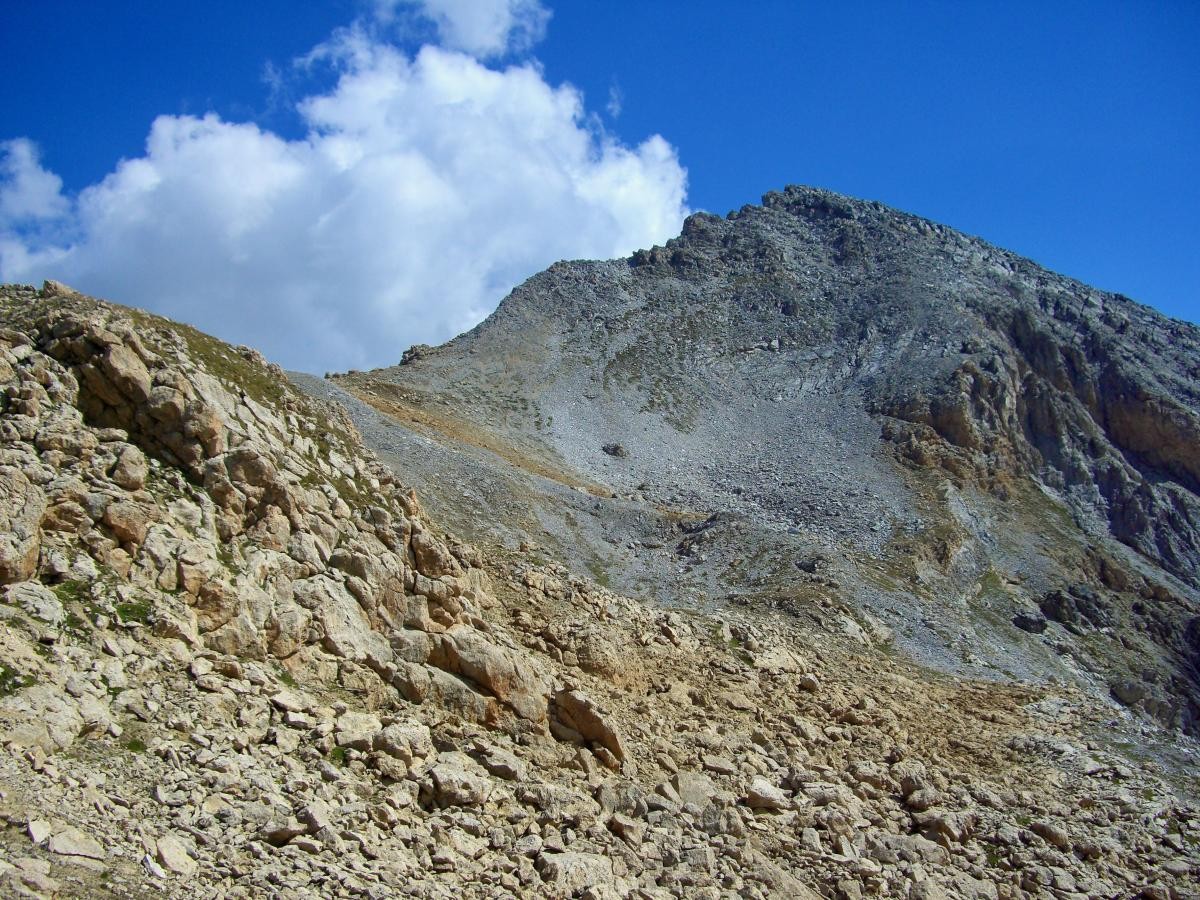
x=381, y=188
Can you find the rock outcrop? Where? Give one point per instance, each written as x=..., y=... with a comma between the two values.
x=178, y=465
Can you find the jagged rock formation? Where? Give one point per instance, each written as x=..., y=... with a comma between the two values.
x=239, y=660
x=869, y=406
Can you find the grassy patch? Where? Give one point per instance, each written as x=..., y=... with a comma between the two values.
x=338, y=756
x=12, y=681
x=226, y=364
x=286, y=678
x=135, y=611
x=135, y=745
x=71, y=591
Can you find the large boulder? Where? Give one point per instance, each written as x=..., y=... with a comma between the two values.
x=511, y=679
x=22, y=505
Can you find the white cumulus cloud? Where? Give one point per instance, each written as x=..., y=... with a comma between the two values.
x=28, y=193
x=483, y=28
x=424, y=189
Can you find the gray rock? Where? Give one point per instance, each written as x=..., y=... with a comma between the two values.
x=37, y=600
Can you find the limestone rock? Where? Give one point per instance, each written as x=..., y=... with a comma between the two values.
x=576, y=710
x=22, y=506
x=37, y=600
x=568, y=873
x=174, y=857
x=761, y=794
x=74, y=842
x=454, y=784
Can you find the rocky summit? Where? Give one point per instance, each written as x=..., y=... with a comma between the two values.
x=823, y=552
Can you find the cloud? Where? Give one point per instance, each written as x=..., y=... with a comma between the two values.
x=482, y=28
x=424, y=189
x=28, y=193
x=616, y=100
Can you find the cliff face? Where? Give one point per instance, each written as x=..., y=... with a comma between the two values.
x=822, y=552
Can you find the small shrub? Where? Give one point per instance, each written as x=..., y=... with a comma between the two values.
x=71, y=591
x=12, y=681
x=134, y=611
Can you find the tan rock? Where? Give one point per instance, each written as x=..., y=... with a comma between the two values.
x=126, y=372
x=761, y=794
x=174, y=857
x=131, y=469
x=1052, y=834
x=348, y=633
x=693, y=788
x=357, y=730
x=37, y=600
x=945, y=826
x=408, y=742
x=571, y=872
x=454, y=784
x=512, y=680
x=73, y=842
x=22, y=505
x=128, y=521
x=432, y=558
x=579, y=712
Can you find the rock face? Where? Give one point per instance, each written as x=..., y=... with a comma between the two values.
x=249, y=527
x=237, y=659
x=875, y=409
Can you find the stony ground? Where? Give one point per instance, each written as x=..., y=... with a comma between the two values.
x=240, y=660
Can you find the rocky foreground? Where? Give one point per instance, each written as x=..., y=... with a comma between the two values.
x=237, y=660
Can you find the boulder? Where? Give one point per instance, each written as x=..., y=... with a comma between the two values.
x=408, y=742
x=357, y=730
x=454, y=783
x=512, y=680
x=761, y=794
x=568, y=873
x=22, y=505
x=577, y=711
x=37, y=600
x=73, y=842
x=174, y=857
x=347, y=631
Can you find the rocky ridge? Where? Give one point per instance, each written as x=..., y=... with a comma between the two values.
x=239, y=660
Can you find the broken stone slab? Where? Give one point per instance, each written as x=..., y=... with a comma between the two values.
x=452, y=782
x=73, y=842
x=278, y=832
x=405, y=741
x=37, y=600
x=761, y=794
x=577, y=711
x=693, y=788
x=357, y=730
x=570, y=872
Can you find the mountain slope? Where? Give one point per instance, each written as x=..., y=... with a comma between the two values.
x=822, y=398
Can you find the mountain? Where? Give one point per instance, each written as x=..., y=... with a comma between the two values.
x=822, y=400
x=784, y=563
